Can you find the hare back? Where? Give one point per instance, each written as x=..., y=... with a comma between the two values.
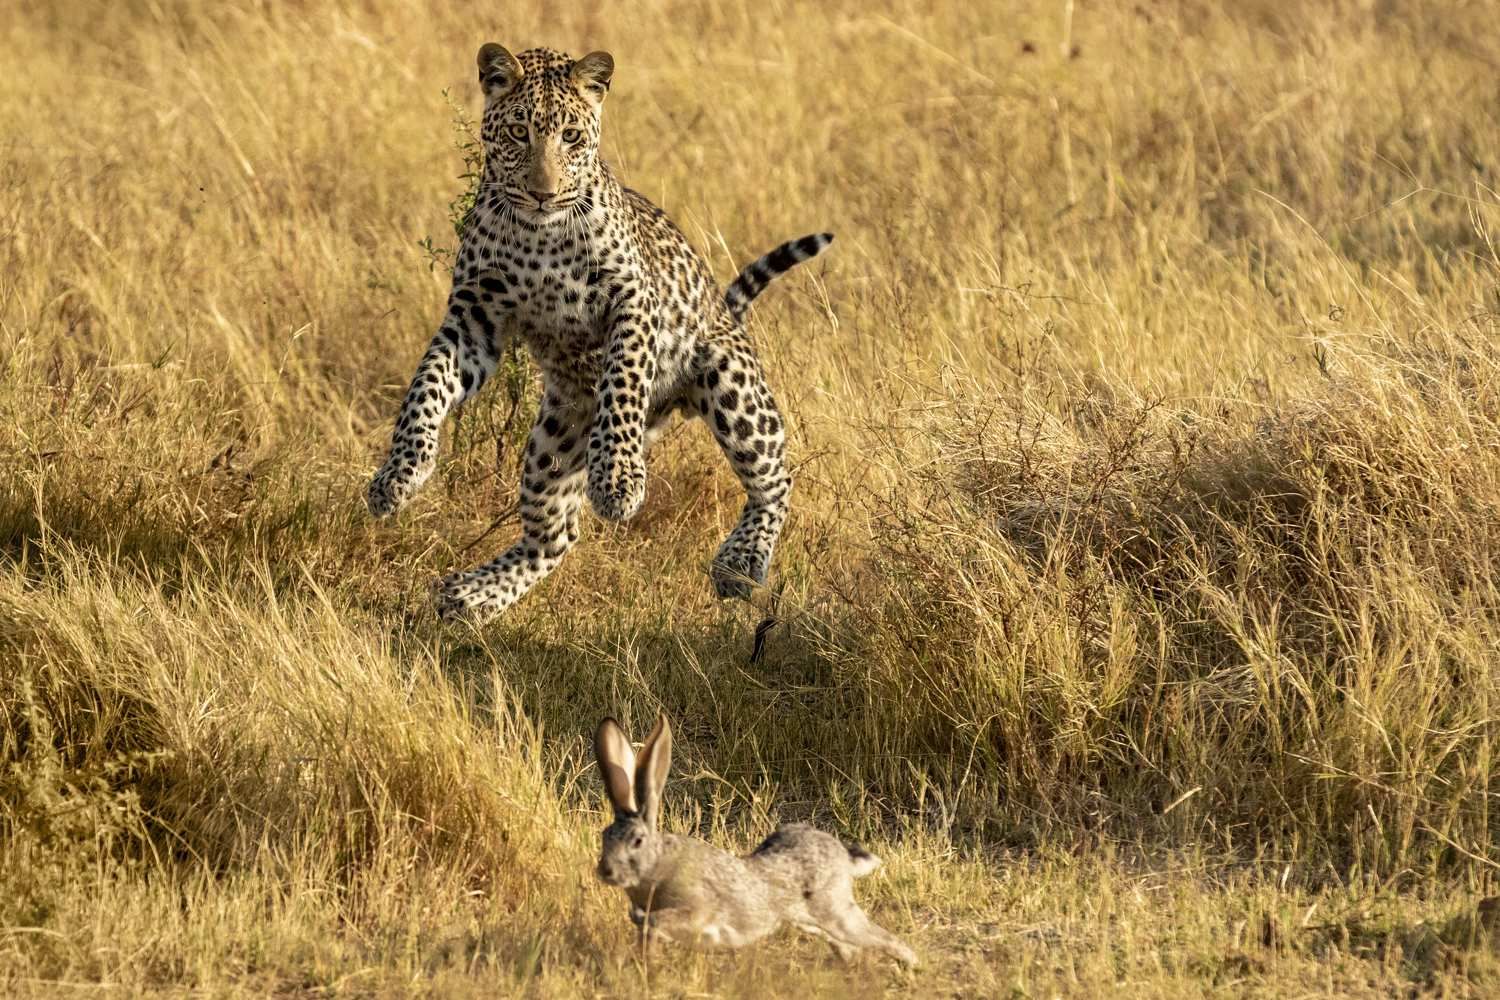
x=799, y=862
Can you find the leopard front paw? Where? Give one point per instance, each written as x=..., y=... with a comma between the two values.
x=616, y=493
x=395, y=484
x=736, y=571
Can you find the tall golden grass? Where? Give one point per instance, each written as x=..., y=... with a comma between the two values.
x=1140, y=599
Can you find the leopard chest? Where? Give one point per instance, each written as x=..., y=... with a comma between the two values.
x=562, y=312
x=553, y=292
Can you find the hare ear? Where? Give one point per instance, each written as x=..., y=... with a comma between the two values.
x=651, y=775
x=498, y=70
x=616, y=766
x=591, y=75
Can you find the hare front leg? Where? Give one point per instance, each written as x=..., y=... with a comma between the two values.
x=681, y=926
x=458, y=362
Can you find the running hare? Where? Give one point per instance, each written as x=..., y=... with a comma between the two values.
x=685, y=890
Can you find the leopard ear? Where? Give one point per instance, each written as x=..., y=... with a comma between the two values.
x=591, y=75
x=499, y=71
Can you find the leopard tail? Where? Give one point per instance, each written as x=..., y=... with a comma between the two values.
x=754, y=278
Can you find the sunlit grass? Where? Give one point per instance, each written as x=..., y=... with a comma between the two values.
x=1139, y=601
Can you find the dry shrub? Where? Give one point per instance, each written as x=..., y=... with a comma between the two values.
x=248, y=733
x=1287, y=612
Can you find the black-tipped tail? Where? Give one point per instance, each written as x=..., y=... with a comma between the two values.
x=754, y=279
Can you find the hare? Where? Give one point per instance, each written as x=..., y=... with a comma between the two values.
x=685, y=890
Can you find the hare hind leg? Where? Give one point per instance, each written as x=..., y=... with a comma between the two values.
x=843, y=951
x=849, y=929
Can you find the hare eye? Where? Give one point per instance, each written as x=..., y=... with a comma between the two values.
x=518, y=132
x=639, y=840
x=571, y=135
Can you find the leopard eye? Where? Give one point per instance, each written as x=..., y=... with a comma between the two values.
x=571, y=135
x=520, y=133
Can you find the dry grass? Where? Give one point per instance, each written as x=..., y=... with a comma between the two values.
x=1140, y=600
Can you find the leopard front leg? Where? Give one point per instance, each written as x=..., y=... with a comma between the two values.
x=617, y=442
x=551, y=496
x=731, y=395
x=458, y=362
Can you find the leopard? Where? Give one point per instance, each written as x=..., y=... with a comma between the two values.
x=623, y=320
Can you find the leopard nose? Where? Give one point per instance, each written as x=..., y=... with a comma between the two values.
x=542, y=197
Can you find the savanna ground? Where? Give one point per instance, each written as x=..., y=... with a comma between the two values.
x=1140, y=601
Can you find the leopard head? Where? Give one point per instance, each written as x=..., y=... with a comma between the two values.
x=541, y=125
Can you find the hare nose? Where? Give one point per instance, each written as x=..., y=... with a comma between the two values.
x=605, y=871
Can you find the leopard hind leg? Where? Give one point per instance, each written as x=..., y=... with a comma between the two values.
x=730, y=394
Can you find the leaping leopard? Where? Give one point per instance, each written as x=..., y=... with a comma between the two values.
x=623, y=319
